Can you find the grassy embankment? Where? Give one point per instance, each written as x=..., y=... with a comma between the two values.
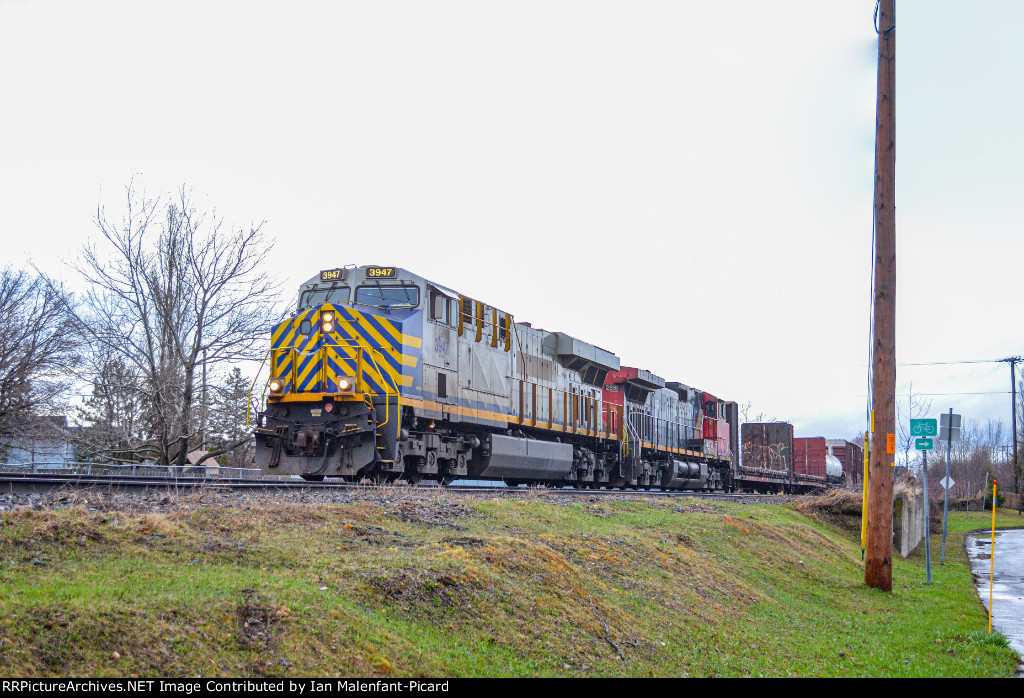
x=449, y=586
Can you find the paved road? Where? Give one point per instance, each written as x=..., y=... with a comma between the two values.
x=1008, y=587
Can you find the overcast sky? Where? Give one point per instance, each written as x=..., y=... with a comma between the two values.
x=687, y=184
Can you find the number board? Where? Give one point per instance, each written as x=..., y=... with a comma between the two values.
x=331, y=274
x=381, y=273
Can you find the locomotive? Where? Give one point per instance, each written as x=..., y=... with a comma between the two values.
x=384, y=375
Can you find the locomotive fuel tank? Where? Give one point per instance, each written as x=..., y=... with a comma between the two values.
x=511, y=458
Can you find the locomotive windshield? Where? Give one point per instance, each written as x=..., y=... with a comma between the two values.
x=389, y=296
x=325, y=295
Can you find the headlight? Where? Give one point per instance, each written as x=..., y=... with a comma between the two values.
x=327, y=317
x=344, y=384
x=328, y=327
x=276, y=385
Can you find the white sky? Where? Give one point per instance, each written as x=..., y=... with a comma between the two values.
x=687, y=184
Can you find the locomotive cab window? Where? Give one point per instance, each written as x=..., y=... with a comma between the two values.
x=389, y=296
x=325, y=295
x=439, y=307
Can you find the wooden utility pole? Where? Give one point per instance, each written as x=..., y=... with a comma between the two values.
x=878, y=560
x=1013, y=360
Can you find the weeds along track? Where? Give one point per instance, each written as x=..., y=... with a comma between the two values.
x=27, y=483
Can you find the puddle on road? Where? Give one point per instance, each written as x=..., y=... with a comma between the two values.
x=1008, y=586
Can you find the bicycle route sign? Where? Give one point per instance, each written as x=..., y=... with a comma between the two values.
x=924, y=427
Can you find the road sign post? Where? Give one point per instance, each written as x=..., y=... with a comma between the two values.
x=927, y=519
x=950, y=431
x=924, y=445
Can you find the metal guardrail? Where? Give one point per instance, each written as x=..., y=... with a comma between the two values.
x=212, y=472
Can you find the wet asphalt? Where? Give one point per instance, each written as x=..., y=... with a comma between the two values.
x=1008, y=584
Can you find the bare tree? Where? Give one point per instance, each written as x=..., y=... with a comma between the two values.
x=747, y=414
x=915, y=407
x=979, y=455
x=173, y=289
x=37, y=347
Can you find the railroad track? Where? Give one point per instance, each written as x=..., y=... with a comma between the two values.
x=24, y=483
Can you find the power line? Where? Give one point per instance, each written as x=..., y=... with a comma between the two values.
x=950, y=363
x=989, y=392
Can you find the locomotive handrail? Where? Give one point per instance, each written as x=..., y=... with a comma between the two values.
x=386, y=384
x=248, y=404
x=578, y=418
x=643, y=424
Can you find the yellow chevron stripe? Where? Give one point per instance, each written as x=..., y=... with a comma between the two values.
x=291, y=327
x=285, y=334
x=396, y=378
x=396, y=336
x=312, y=366
x=335, y=352
x=351, y=353
x=395, y=354
x=386, y=344
x=281, y=327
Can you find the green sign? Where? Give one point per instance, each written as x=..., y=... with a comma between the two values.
x=924, y=444
x=924, y=427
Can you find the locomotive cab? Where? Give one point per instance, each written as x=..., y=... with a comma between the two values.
x=337, y=368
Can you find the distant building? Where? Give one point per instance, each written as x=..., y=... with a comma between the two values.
x=43, y=440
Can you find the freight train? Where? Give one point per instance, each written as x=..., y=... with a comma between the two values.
x=381, y=374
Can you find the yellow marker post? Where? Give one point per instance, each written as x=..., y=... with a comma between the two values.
x=992, y=569
x=864, y=498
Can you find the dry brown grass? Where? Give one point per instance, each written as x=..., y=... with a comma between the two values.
x=838, y=507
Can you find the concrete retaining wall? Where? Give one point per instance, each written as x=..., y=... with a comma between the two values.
x=908, y=526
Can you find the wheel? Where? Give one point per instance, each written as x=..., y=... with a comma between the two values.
x=382, y=477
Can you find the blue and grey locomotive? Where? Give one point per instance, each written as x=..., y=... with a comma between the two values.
x=383, y=374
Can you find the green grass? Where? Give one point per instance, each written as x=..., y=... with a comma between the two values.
x=478, y=588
